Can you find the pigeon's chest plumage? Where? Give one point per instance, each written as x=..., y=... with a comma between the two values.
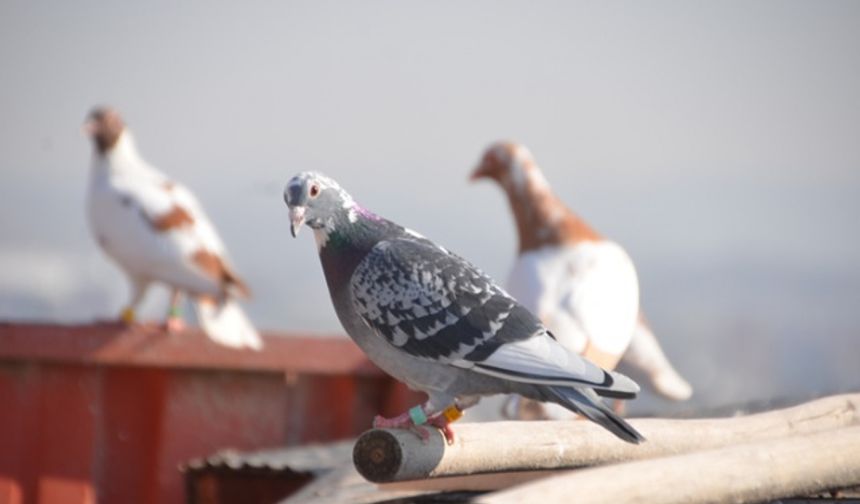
x=116, y=221
x=584, y=293
x=339, y=266
x=122, y=229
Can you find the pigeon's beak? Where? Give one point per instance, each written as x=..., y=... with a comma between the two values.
x=297, y=218
x=482, y=171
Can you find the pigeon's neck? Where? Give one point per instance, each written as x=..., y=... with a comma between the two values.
x=542, y=219
x=354, y=233
x=122, y=157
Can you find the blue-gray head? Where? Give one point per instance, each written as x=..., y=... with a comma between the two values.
x=316, y=200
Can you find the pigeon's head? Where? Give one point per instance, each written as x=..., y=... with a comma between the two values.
x=315, y=200
x=508, y=163
x=104, y=126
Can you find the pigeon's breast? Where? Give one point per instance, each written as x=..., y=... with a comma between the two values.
x=584, y=293
x=119, y=227
x=418, y=374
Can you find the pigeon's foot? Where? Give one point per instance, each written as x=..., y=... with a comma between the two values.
x=444, y=419
x=174, y=325
x=127, y=315
x=402, y=421
x=444, y=425
x=421, y=432
x=416, y=418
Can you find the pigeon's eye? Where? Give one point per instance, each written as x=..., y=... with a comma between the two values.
x=315, y=190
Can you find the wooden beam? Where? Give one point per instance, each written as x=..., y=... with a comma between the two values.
x=382, y=455
x=754, y=472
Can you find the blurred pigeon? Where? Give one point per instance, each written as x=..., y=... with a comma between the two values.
x=582, y=286
x=155, y=230
x=434, y=321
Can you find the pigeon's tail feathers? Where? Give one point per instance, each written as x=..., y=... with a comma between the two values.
x=226, y=323
x=645, y=354
x=671, y=385
x=588, y=404
x=621, y=387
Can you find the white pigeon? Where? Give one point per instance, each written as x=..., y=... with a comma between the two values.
x=156, y=231
x=581, y=285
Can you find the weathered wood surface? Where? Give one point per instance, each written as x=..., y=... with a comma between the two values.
x=394, y=455
x=752, y=472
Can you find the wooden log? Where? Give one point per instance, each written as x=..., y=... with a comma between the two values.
x=395, y=455
x=754, y=472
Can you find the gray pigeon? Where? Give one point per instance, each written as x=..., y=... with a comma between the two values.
x=435, y=322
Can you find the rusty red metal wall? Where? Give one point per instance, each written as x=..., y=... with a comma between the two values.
x=104, y=413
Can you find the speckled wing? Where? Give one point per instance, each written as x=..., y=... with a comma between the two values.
x=434, y=305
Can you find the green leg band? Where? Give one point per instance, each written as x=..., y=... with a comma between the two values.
x=417, y=415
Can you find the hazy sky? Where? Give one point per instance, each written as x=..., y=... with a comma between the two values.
x=718, y=142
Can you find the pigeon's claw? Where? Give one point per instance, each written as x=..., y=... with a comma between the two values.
x=407, y=421
x=421, y=432
x=402, y=421
x=444, y=425
x=416, y=419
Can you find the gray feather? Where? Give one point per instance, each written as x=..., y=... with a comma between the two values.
x=588, y=404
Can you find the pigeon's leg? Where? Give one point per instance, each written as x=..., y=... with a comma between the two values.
x=138, y=289
x=174, y=322
x=411, y=420
x=443, y=419
x=430, y=413
x=402, y=421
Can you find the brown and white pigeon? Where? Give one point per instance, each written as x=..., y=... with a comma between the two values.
x=156, y=231
x=435, y=322
x=581, y=285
